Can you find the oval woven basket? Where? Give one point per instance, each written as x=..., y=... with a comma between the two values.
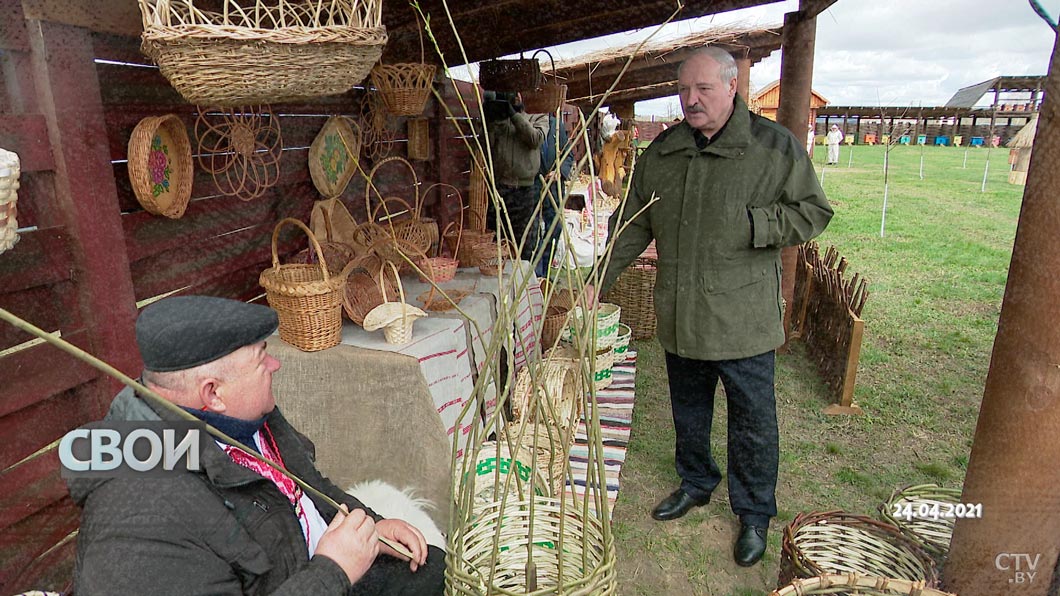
x=634, y=292
x=517, y=74
x=822, y=543
x=572, y=554
x=931, y=521
x=160, y=165
x=550, y=446
x=363, y=290
x=855, y=584
x=262, y=52
x=549, y=95
x=404, y=88
x=490, y=475
x=606, y=327
x=307, y=298
x=547, y=392
x=621, y=346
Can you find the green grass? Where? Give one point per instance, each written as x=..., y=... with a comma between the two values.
x=936, y=282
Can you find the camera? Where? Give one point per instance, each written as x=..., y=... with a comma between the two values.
x=500, y=105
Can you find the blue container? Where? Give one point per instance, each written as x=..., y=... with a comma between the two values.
x=977, y=142
x=904, y=139
x=942, y=140
x=921, y=139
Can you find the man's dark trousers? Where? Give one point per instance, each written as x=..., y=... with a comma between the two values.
x=520, y=203
x=753, y=442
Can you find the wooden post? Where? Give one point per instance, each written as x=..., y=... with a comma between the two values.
x=743, y=78
x=1013, y=549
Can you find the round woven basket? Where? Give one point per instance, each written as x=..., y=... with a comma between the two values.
x=262, y=52
x=307, y=298
x=160, y=165
x=404, y=88
x=621, y=346
x=931, y=519
x=553, y=324
x=551, y=398
x=518, y=74
x=443, y=300
x=547, y=97
x=10, y=170
x=854, y=584
x=571, y=553
x=334, y=154
x=832, y=542
x=491, y=258
x=490, y=476
x=603, y=369
x=606, y=327
x=363, y=291
x=634, y=292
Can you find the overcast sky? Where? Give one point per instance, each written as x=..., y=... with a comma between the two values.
x=890, y=52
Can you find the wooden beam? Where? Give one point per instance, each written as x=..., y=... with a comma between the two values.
x=12, y=26
x=108, y=16
x=812, y=8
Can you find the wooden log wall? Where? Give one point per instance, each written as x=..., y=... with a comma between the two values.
x=90, y=256
x=826, y=313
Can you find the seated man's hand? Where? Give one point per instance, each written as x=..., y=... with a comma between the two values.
x=352, y=541
x=407, y=535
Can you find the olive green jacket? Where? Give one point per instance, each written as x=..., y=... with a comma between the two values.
x=721, y=217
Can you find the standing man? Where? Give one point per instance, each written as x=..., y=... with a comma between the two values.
x=550, y=185
x=731, y=190
x=515, y=143
x=234, y=526
x=835, y=137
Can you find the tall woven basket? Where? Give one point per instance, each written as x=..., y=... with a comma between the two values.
x=634, y=291
x=250, y=52
x=549, y=95
x=831, y=542
x=925, y=513
x=307, y=298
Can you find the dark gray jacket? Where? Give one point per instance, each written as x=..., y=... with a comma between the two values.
x=223, y=530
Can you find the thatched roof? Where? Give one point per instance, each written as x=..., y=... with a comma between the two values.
x=1024, y=139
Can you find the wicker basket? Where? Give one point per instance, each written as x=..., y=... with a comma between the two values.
x=634, y=292
x=491, y=257
x=307, y=298
x=519, y=74
x=160, y=165
x=404, y=88
x=606, y=327
x=365, y=289
x=490, y=477
x=419, y=130
x=572, y=553
x=603, y=369
x=262, y=52
x=396, y=319
x=853, y=584
x=442, y=300
x=549, y=96
x=554, y=399
x=821, y=543
x=331, y=220
x=428, y=228
x=621, y=346
x=550, y=446
x=932, y=508
x=10, y=169
x=334, y=154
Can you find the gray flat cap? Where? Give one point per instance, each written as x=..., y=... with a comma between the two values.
x=185, y=331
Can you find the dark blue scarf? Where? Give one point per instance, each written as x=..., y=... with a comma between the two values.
x=240, y=430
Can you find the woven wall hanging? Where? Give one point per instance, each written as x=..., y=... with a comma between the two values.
x=160, y=165
x=241, y=148
x=334, y=155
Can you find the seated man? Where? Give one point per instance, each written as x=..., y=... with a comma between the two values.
x=235, y=526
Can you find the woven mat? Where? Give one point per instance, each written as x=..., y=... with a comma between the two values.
x=616, y=416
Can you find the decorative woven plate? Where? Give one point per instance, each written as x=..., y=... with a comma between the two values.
x=334, y=154
x=160, y=167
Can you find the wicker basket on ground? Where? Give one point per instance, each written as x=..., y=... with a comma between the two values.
x=489, y=476
x=550, y=446
x=307, y=298
x=925, y=513
x=262, y=52
x=571, y=553
x=854, y=584
x=634, y=292
x=831, y=542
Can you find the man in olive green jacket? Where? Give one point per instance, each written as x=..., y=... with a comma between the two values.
x=725, y=190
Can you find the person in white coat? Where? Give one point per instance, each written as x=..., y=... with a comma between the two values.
x=835, y=137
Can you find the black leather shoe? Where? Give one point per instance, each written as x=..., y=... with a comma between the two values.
x=750, y=545
x=676, y=505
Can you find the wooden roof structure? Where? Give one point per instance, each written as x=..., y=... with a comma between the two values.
x=652, y=70
x=967, y=97
x=769, y=97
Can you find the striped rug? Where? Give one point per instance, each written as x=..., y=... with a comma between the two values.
x=616, y=416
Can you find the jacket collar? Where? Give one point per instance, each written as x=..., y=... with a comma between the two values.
x=732, y=142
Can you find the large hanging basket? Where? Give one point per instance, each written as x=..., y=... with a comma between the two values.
x=307, y=298
x=837, y=542
x=262, y=52
x=519, y=74
x=572, y=554
x=925, y=514
x=549, y=96
x=634, y=291
x=160, y=166
x=10, y=170
x=854, y=584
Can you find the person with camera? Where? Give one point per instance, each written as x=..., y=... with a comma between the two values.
x=515, y=139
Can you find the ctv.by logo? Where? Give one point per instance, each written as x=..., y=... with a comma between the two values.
x=110, y=449
x=1022, y=565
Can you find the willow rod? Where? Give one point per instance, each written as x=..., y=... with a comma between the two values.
x=158, y=400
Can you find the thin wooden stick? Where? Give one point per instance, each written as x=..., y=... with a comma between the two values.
x=158, y=400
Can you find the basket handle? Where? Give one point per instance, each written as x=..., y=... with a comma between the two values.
x=400, y=201
x=369, y=186
x=397, y=278
x=553, y=60
x=312, y=240
x=460, y=198
x=459, y=233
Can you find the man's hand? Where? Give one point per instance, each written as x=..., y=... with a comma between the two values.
x=352, y=541
x=405, y=534
x=590, y=295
